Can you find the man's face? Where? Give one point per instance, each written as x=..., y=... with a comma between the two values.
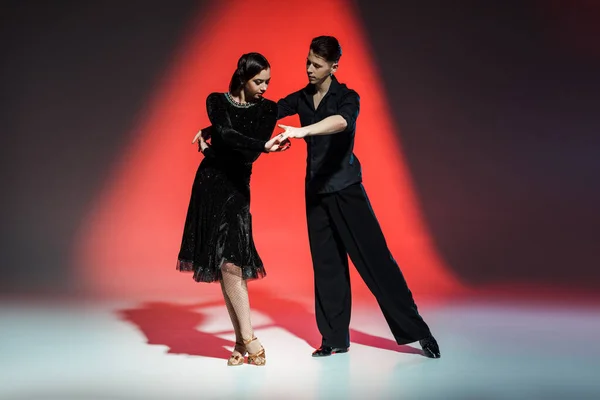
x=318, y=69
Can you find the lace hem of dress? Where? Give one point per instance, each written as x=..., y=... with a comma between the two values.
x=203, y=274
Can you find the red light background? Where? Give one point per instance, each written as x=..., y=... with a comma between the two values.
x=129, y=242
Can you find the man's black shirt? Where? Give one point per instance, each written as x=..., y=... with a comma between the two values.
x=331, y=164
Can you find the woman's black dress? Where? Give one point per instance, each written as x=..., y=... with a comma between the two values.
x=218, y=226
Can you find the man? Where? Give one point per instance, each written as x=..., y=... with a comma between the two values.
x=340, y=219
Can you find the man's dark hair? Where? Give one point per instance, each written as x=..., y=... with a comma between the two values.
x=327, y=47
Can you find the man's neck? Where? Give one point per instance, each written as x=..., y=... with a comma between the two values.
x=323, y=86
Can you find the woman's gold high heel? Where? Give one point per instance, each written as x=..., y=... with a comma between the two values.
x=259, y=358
x=237, y=357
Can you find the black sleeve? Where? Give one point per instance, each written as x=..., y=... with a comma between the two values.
x=288, y=105
x=267, y=121
x=208, y=152
x=222, y=127
x=349, y=108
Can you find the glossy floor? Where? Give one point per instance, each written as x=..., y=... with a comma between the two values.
x=177, y=349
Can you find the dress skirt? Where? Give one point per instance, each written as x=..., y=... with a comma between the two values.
x=218, y=225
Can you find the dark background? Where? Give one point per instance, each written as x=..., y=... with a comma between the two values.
x=497, y=104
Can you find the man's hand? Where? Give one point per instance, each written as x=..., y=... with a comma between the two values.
x=292, y=132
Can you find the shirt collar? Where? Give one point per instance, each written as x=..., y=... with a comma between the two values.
x=333, y=87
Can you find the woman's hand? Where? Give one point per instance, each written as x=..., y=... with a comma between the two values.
x=277, y=144
x=202, y=144
x=197, y=137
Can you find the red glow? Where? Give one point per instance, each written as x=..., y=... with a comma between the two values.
x=130, y=241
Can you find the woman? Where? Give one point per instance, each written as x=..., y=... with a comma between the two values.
x=217, y=240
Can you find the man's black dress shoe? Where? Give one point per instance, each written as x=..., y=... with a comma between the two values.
x=325, y=351
x=430, y=347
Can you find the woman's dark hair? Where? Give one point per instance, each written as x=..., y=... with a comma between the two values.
x=249, y=65
x=327, y=47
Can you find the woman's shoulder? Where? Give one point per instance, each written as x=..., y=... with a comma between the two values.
x=269, y=105
x=216, y=102
x=216, y=96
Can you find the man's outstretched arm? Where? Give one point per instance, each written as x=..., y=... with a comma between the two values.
x=343, y=121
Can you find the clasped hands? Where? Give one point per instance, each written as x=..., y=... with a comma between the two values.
x=282, y=142
x=277, y=143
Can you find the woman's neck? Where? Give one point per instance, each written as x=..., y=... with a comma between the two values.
x=239, y=96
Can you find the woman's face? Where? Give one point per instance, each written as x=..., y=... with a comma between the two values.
x=255, y=88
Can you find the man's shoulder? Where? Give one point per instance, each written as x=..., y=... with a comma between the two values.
x=345, y=90
x=296, y=93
